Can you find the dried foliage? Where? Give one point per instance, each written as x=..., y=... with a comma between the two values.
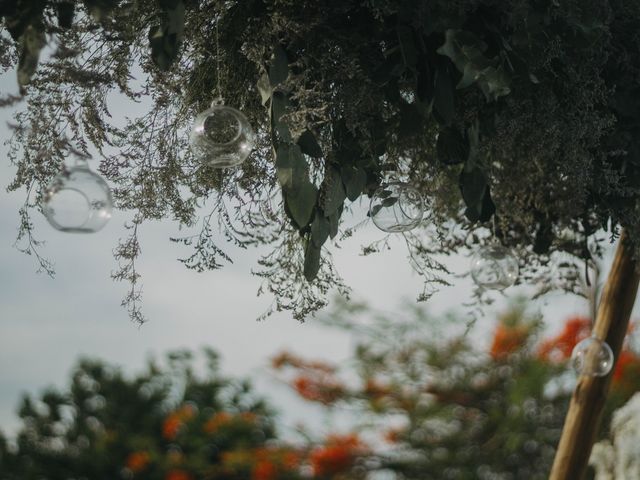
x=519, y=117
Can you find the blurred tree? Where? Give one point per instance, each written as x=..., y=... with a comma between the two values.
x=425, y=407
x=448, y=410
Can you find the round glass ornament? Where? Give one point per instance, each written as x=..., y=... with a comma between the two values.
x=77, y=200
x=396, y=207
x=221, y=136
x=592, y=357
x=494, y=267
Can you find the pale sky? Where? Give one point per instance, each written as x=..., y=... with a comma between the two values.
x=46, y=324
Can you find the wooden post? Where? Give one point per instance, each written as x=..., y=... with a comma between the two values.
x=585, y=410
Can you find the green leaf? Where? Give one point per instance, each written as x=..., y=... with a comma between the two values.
x=309, y=145
x=301, y=202
x=407, y=47
x=65, y=11
x=473, y=185
x=311, y=261
x=334, y=222
x=451, y=146
x=354, y=180
x=444, y=103
x=279, y=69
x=291, y=167
x=333, y=193
x=319, y=230
x=466, y=51
x=279, y=104
x=165, y=39
x=264, y=87
x=32, y=41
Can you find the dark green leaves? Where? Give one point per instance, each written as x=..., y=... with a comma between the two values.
x=279, y=69
x=311, y=261
x=476, y=195
x=309, y=145
x=333, y=193
x=466, y=51
x=443, y=101
x=452, y=147
x=354, y=179
x=165, y=39
x=300, y=194
x=65, y=11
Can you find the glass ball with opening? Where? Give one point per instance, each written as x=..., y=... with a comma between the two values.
x=77, y=200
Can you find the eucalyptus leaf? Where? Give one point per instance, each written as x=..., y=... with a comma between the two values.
x=473, y=184
x=319, y=230
x=301, y=202
x=311, y=261
x=334, y=222
x=407, y=47
x=279, y=69
x=333, y=191
x=451, y=146
x=444, y=95
x=354, y=180
x=264, y=87
x=291, y=167
x=65, y=11
x=279, y=104
x=309, y=145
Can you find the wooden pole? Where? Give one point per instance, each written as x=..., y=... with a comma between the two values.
x=585, y=410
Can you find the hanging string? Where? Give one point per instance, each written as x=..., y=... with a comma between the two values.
x=217, y=92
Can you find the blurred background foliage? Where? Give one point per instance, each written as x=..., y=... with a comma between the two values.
x=425, y=403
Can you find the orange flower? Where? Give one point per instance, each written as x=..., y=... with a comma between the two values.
x=138, y=461
x=393, y=435
x=507, y=340
x=560, y=347
x=627, y=362
x=336, y=456
x=264, y=470
x=178, y=475
x=375, y=389
x=325, y=390
x=216, y=421
x=248, y=417
x=171, y=426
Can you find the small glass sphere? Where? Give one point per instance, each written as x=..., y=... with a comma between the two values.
x=77, y=200
x=396, y=207
x=222, y=137
x=592, y=357
x=494, y=267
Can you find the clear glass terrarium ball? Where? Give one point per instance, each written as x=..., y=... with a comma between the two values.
x=592, y=357
x=396, y=207
x=222, y=137
x=77, y=200
x=494, y=267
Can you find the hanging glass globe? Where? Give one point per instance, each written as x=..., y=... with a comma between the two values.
x=396, y=207
x=494, y=267
x=77, y=200
x=221, y=136
x=592, y=357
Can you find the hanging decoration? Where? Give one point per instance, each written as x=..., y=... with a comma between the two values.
x=221, y=136
x=77, y=200
x=494, y=267
x=396, y=207
x=592, y=357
